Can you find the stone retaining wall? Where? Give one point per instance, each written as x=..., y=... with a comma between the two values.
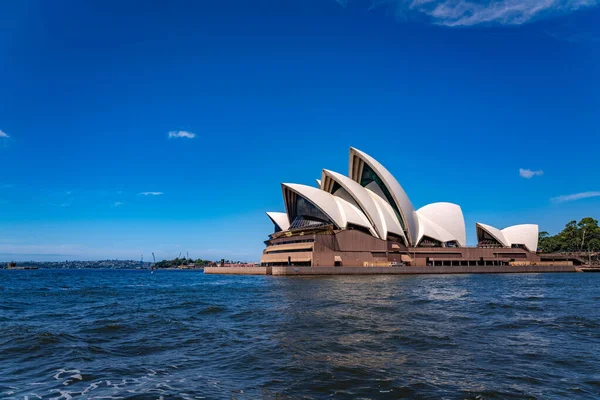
x=238, y=270
x=420, y=270
x=289, y=271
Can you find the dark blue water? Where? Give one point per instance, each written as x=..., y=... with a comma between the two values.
x=174, y=334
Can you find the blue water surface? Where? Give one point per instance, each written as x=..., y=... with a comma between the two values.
x=182, y=334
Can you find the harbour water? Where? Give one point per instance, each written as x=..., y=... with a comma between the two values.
x=182, y=334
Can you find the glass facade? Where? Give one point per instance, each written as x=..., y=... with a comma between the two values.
x=368, y=176
x=429, y=242
x=302, y=222
x=308, y=215
x=307, y=209
x=486, y=240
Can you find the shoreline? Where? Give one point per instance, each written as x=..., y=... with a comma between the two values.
x=400, y=270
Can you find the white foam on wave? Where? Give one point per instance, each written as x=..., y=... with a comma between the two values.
x=155, y=383
x=70, y=379
x=164, y=385
x=66, y=371
x=92, y=386
x=63, y=395
x=117, y=385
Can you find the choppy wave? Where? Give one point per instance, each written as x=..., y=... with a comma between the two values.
x=185, y=335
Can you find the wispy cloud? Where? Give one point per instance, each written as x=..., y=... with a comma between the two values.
x=151, y=193
x=528, y=174
x=3, y=134
x=473, y=12
x=575, y=196
x=181, y=134
x=117, y=204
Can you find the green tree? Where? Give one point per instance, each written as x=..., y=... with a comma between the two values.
x=576, y=237
x=589, y=232
x=547, y=243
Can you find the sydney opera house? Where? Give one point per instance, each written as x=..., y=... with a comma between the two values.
x=367, y=219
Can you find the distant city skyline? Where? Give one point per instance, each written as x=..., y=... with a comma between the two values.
x=132, y=128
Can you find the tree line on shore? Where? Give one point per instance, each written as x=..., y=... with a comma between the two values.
x=176, y=262
x=582, y=236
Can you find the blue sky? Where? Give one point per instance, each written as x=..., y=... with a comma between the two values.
x=454, y=97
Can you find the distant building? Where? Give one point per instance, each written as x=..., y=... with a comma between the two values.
x=367, y=219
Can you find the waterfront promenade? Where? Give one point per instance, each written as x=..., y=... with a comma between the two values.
x=400, y=270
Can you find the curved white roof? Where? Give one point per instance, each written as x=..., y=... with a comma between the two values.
x=383, y=207
x=280, y=219
x=493, y=232
x=362, y=198
x=525, y=234
x=401, y=200
x=321, y=199
x=387, y=214
x=353, y=215
x=447, y=216
x=431, y=229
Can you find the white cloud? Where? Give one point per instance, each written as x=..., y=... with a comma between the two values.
x=576, y=196
x=528, y=174
x=181, y=134
x=3, y=134
x=117, y=204
x=151, y=193
x=473, y=12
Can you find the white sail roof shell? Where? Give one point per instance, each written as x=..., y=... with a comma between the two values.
x=493, y=232
x=280, y=219
x=321, y=199
x=446, y=216
x=398, y=194
x=387, y=214
x=369, y=207
x=525, y=234
x=338, y=210
x=432, y=230
x=353, y=215
x=361, y=196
